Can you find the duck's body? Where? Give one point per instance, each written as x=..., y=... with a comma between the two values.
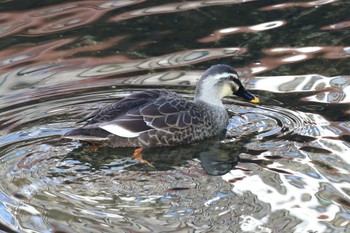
x=152, y=118
x=155, y=118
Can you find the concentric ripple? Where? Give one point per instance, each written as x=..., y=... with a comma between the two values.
x=58, y=181
x=276, y=122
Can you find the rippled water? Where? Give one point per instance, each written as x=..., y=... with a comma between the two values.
x=283, y=167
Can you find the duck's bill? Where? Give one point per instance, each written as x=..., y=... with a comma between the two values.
x=255, y=100
x=247, y=95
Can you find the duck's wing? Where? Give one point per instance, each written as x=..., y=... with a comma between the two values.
x=167, y=113
x=115, y=110
x=91, y=130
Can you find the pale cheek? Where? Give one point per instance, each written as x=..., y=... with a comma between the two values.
x=226, y=91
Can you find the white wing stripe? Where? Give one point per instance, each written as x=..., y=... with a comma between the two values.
x=119, y=131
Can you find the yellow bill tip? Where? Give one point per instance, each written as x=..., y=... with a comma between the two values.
x=255, y=100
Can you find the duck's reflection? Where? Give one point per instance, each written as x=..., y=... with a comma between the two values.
x=216, y=158
x=220, y=159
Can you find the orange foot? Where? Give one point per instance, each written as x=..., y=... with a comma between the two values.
x=137, y=155
x=95, y=148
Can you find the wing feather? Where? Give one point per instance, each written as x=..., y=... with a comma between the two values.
x=122, y=107
x=176, y=113
x=154, y=109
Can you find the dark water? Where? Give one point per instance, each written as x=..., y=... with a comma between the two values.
x=283, y=167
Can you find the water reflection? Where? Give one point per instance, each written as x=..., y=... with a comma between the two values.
x=282, y=166
x=217, y=35
x=307, y=4
x=337, y=26
x=280, y=56
x=50, y=73
x=175, y=7
x=53, y=19
x=213, y=157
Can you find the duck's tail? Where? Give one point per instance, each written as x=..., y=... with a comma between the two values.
x=89, y=135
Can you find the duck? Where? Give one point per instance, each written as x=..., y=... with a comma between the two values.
x=161, y=117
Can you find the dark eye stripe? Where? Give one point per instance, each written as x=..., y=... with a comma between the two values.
x=235, y=80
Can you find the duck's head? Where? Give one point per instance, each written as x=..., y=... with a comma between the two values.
x=220, y=81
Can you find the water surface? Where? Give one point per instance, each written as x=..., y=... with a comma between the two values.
x=282, y=167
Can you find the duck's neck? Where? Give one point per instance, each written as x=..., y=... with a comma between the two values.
x=217, y=112
x=213, y=105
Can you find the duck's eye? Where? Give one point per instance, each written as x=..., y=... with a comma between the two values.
x=235, y=80
x=232, y=78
